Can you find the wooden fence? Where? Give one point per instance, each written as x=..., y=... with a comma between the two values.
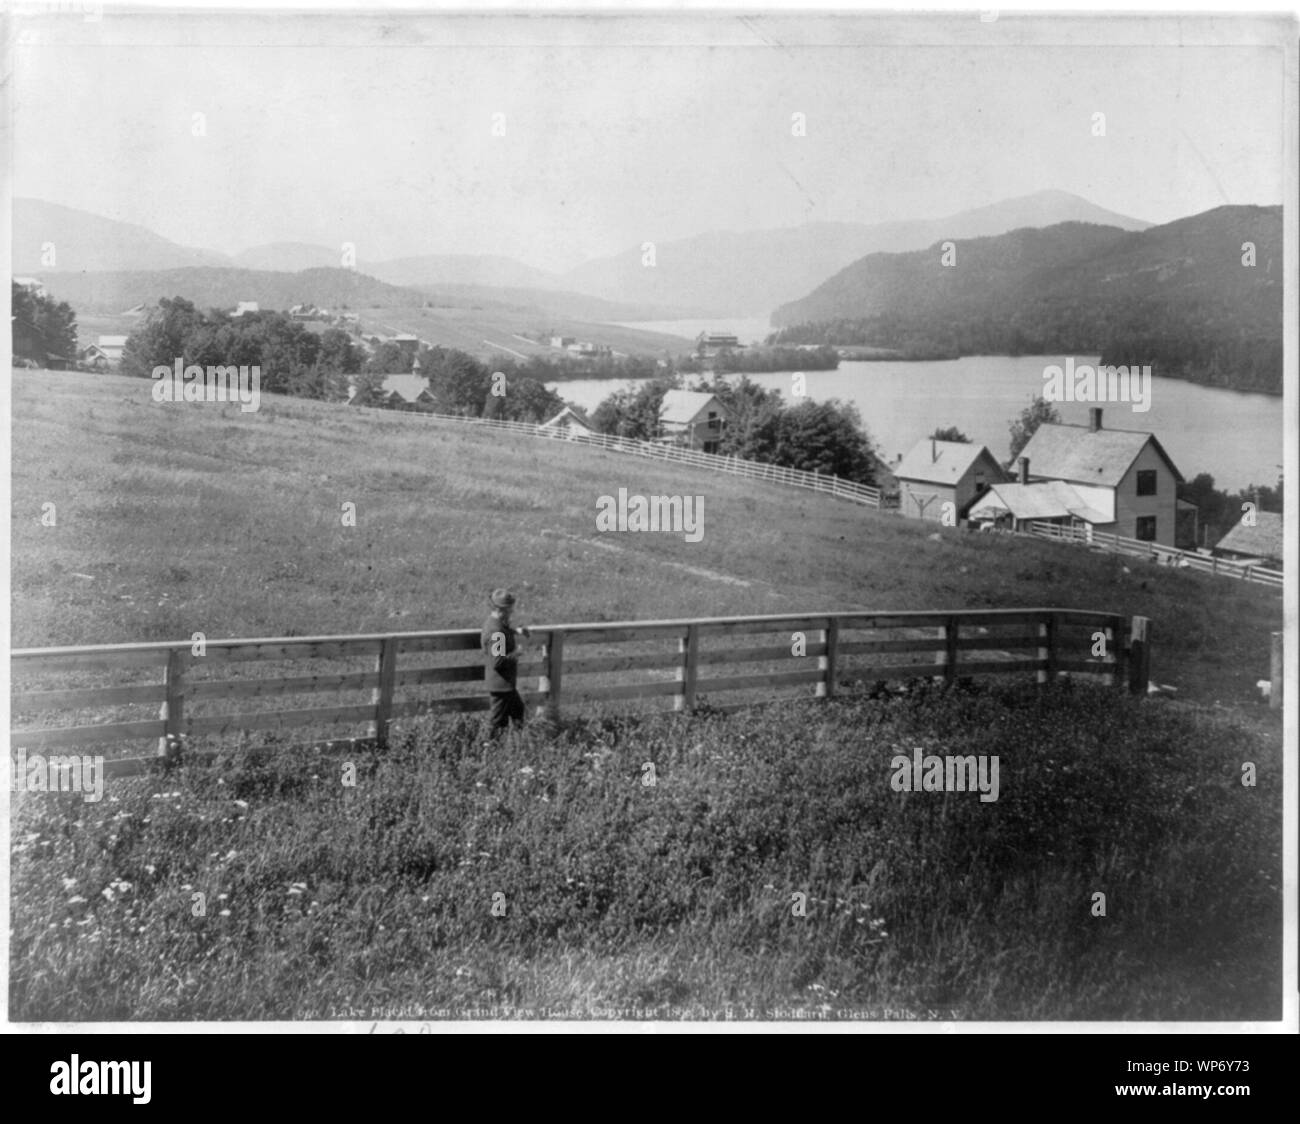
x=751, y=470
x=1137, y=548
x=193, y=692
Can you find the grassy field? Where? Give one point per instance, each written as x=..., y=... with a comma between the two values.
x=175, y=519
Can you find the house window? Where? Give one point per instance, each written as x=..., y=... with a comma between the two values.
x=1146, y=482
x=1146, y=528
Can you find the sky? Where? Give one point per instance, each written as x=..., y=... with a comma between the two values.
x=381, y=134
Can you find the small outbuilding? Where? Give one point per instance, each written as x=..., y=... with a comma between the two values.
x=1257, y=542
x=935, y=473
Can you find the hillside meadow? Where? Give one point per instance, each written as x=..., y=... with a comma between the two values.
x=548, y=875
x=176, y=518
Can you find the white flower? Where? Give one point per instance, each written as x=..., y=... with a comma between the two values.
x=225, y=913
x=68, y=883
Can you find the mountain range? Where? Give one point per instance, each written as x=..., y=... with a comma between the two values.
x=731, y=273
x=749, y=273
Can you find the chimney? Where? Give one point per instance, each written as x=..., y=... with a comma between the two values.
x=1094, y=418
x=1024, y=470
x=934, y=450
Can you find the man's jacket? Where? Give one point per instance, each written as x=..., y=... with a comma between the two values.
x=500, y=670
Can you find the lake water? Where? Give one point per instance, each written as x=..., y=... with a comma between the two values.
x=1237, y=438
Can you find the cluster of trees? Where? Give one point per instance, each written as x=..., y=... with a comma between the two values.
x=826, y=437
x=461, y=384
x=1212, y=352
x=291, y=358
x=298, y=361
x=752, y=360
x=42, y=327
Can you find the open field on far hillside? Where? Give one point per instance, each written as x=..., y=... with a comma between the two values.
x=468, y=329
x=671, y=900
x=179, y=518
x=620, y=899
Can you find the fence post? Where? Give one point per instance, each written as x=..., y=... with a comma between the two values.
x=1047, y=649
x=829, y=663
x=688, y=648
x=950, y=627
x=552, y=674
x=382, y=695
x=1275, y=670
x=1139, y=655
x=173, y=708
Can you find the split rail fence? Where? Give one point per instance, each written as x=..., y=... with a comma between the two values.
x=186, y=696
x=1137, y=548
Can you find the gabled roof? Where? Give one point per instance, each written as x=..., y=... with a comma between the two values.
x=1046, y=499
x=1263, y=540
x=685, y=405
x=940, y=462
x=568, y=412
x=407, y=387
x=1083, y=455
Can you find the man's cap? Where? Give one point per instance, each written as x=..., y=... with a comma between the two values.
x=501, y=599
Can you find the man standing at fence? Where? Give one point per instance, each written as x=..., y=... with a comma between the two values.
x=501, y=652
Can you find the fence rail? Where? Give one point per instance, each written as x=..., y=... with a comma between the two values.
x=215, y=692
x=751, y=470
x=1137, y=548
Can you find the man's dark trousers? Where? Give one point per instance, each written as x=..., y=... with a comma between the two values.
x=507, y=707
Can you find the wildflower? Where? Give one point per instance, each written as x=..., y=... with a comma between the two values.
x=77, y=899
x=241, y=803
x=68, y=883
x=225, y=913
x=149, y=868
x=231, y=855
